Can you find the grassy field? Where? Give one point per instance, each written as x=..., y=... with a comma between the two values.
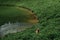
x=48, y=13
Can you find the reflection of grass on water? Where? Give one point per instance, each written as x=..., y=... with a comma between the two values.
x=14, y=14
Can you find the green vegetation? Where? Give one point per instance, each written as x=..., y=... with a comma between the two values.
x=48, y=12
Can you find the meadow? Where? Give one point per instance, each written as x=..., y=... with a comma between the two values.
x=48, y=13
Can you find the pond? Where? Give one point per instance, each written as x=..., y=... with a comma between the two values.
x=15, y=19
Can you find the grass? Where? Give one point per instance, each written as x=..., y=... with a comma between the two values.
x=48, y=12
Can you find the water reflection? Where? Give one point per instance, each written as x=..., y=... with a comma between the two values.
x=13, y=27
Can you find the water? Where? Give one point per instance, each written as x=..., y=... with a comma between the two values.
x=13, y=28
